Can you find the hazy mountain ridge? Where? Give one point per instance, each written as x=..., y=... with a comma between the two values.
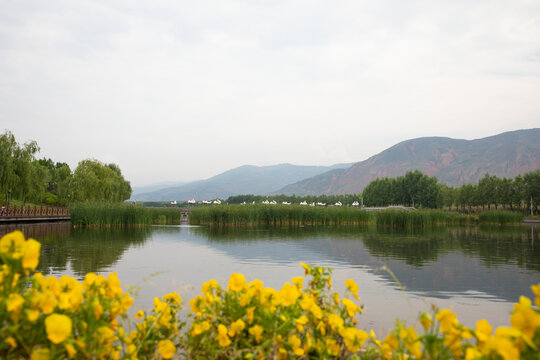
x=452, y=161
x=246, y=179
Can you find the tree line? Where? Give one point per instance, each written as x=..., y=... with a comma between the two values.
x=420, y=190
x=345, y=199
x=494, y=192
x=26, y=178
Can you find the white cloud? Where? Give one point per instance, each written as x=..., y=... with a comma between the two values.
x=182, y=90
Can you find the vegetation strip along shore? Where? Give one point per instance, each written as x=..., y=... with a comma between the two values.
x=258, y=214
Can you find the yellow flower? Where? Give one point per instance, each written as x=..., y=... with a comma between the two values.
x=525, y=318
x=207, y=287
x=12, y=244
x=353, y=338
x=199, y=328
x=11, y=342
x=30, y=255
x=249, y=313
x=289, y=294
x=32, y=315
x=352, y=286
x=71, y=350
x=139, y=314
x=166, y=349
x=447, y=319
x=296, y=343
x=255, y=288
x=536, y=291
x=483, y=330
x=335, y=321
x=333, y=346
x=223, y=339
x=335, y=297
x=40, y=354
x=47, y=302
x=58, y=327
x=351, y=307
x=300, y=322
x=15, y=303
x=113, y=286
x=502, y=346
x=237, y=282
x=256, y=331
x=472, y=353
x=298, y=281
x=426, y=320
x=316, y=311
x=306, y=268
x=173, y=297
x=236, y=327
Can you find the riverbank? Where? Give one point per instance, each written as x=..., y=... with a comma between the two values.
x=260, y=214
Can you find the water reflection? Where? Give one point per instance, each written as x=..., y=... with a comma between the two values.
x=478, y=265
x=78, y=251
x=497, y=263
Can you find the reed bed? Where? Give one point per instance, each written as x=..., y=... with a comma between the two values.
x=257, y=214
x=260, y=214
x=120, y=214
x=500, y=217
x=422, y=218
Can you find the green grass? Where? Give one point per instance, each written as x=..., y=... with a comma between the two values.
x=121, y=214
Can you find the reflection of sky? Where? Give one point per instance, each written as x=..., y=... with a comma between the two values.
x=182, y=258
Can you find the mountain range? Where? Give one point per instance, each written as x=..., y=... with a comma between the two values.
x=453, y=161
x=246, y=179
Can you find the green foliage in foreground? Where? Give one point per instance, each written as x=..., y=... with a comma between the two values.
x=121, y=214
x=260, y=214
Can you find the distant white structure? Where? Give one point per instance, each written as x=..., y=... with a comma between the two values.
x=286, y=203
x=192, y=201
x=356, y=203
x=273, y=202
x=206, y=202
x=338, y=203
x=312, y=204
x=217, y=202
x=174, y=202
x=266, y=202
x=321, y=204
x=303, y=203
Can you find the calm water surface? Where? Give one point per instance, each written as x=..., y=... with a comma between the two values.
x=479, y=272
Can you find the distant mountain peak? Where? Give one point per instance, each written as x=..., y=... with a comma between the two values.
x=452, y=161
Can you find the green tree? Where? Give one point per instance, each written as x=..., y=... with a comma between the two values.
x=94, y=181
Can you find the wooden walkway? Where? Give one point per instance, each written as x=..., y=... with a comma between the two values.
x=18, y=214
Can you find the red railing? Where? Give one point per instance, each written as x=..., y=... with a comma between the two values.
x=33, y=211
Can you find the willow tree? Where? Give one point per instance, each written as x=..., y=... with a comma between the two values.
x=95, y=181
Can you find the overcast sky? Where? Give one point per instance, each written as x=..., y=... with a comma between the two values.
x=184, y=90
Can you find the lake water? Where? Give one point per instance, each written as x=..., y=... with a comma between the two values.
x=477, y=271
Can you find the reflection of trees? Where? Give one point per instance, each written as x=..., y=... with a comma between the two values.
x=88, y=249
x=241, y=233
x=416, y=247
